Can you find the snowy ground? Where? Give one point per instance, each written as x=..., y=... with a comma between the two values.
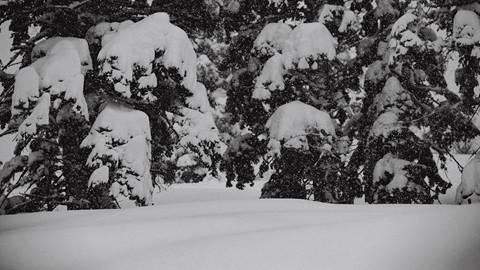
x=204, y=226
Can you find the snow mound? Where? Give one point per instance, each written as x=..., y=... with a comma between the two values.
x=328, y=13
x=272, y=38
x=291, y=122
x=138, y=47
x=120, y=139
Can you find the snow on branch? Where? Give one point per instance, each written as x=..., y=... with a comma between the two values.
x=140, y=44
x=55, y=76
x=291, y=122
x=120, y=142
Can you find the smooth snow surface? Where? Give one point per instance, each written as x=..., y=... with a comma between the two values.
x=205, y=226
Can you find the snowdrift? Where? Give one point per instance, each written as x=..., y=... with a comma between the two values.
x=204, y=226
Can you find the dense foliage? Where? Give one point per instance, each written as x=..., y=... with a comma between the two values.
x=370, y=74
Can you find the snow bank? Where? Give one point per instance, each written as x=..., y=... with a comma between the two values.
x=120, y=140
x=291, y=122
x=137, y=45
x=270, y=234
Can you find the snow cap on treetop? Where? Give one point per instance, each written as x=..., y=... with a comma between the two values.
x=136, y=46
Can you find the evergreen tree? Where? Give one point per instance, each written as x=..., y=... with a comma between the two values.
x=407, y=112
x=54, y=118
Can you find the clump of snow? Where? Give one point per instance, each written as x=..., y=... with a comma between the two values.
x=38, y=117
x=81, y=46
x=195, y=130
x=291, y=122
x=101, y=33
x=376, y=72
x=27, y=83
x=393, y=96
x=466, y=30
x=310, y=41
x=302, y=48
x=470, y=183
x=402, y=23
x=385, y=124
x=136, y=46
x=99, y=176
x=272, y=38
x=403, y=38
x=120, y=140
x=349, y=19
x=149, y=81
x=199, y=99
x=328, y=12
x=270, y=78
x=466, y=27
x=186, y=160
x=58, y=72
x=396, y=167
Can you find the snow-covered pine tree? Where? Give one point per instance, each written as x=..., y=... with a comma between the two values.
x=47, y=104
x=407, y=113
x=290, y=70
x=151, y=64
x=180, y=115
